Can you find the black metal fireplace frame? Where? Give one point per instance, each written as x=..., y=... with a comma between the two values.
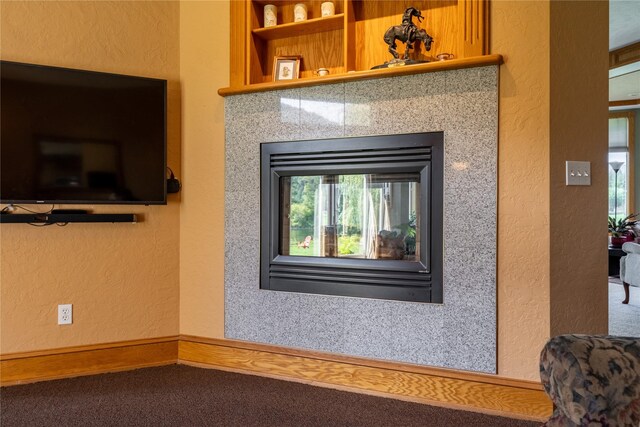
x=419, y=281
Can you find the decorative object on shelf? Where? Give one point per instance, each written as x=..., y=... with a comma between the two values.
x=328, y=9
x=444, y=56
x=621, y=230
x=408, y=33
x=270, y=15
x=321, y=72
x=299, y=12
x=286, y=68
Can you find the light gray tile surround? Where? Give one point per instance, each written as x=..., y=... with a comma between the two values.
x=461, y=332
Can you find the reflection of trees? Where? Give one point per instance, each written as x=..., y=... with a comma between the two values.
x=360, y=208
x=349, y=204
x=348, y=209
x=303, y=194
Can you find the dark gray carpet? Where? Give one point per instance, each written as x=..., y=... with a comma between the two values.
x=179, y=395
x=624, y=319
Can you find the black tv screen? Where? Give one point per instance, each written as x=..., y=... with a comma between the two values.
x=73, y=136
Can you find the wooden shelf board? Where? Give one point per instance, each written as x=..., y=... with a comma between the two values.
x=293, y=29
x=430, y=67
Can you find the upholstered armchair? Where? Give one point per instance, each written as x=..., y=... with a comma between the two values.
x=592, y=380
x=630, y=268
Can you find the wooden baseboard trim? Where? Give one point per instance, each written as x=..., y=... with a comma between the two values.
x=440, y=387
x=20, y=368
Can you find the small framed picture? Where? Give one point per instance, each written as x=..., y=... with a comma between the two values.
x=286, y=68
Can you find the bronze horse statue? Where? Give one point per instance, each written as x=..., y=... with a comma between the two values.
x=407, y=33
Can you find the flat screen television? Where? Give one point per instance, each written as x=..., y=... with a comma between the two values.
x=81, y=137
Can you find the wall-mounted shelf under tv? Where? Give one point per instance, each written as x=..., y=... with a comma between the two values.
x=64, y=218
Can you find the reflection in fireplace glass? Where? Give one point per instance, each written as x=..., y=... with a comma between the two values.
x=366, y=216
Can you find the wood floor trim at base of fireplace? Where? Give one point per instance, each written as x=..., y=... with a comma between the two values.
x=435, y=386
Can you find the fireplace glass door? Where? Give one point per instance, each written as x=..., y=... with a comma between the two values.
x=363, y=216
x=357, y=217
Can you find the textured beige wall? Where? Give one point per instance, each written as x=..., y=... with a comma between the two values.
x=204, y=67
x=122, y=279
x=579, y=131
x=520, y=32
x=134, y=268
x=551, y=239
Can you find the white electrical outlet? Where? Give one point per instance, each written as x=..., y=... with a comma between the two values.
x=65, y=314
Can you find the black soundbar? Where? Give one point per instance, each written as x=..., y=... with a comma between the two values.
x=63, y=218
x=69, y=211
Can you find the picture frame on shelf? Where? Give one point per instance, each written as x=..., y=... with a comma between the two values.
x=286, y=68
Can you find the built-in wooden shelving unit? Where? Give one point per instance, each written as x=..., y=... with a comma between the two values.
x=350, y=42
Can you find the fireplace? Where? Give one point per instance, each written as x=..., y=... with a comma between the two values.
x=461, y=105
x=359, y=217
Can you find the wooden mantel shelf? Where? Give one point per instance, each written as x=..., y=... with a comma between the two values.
x=430, y=67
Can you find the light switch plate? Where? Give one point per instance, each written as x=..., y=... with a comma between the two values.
x=578, y=173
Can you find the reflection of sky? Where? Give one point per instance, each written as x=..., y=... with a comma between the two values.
x=287, y=105
x=324, y=112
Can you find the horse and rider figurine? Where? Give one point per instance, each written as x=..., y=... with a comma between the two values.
x=408, y=33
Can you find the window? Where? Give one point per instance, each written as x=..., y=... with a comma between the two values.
x=621, y=199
